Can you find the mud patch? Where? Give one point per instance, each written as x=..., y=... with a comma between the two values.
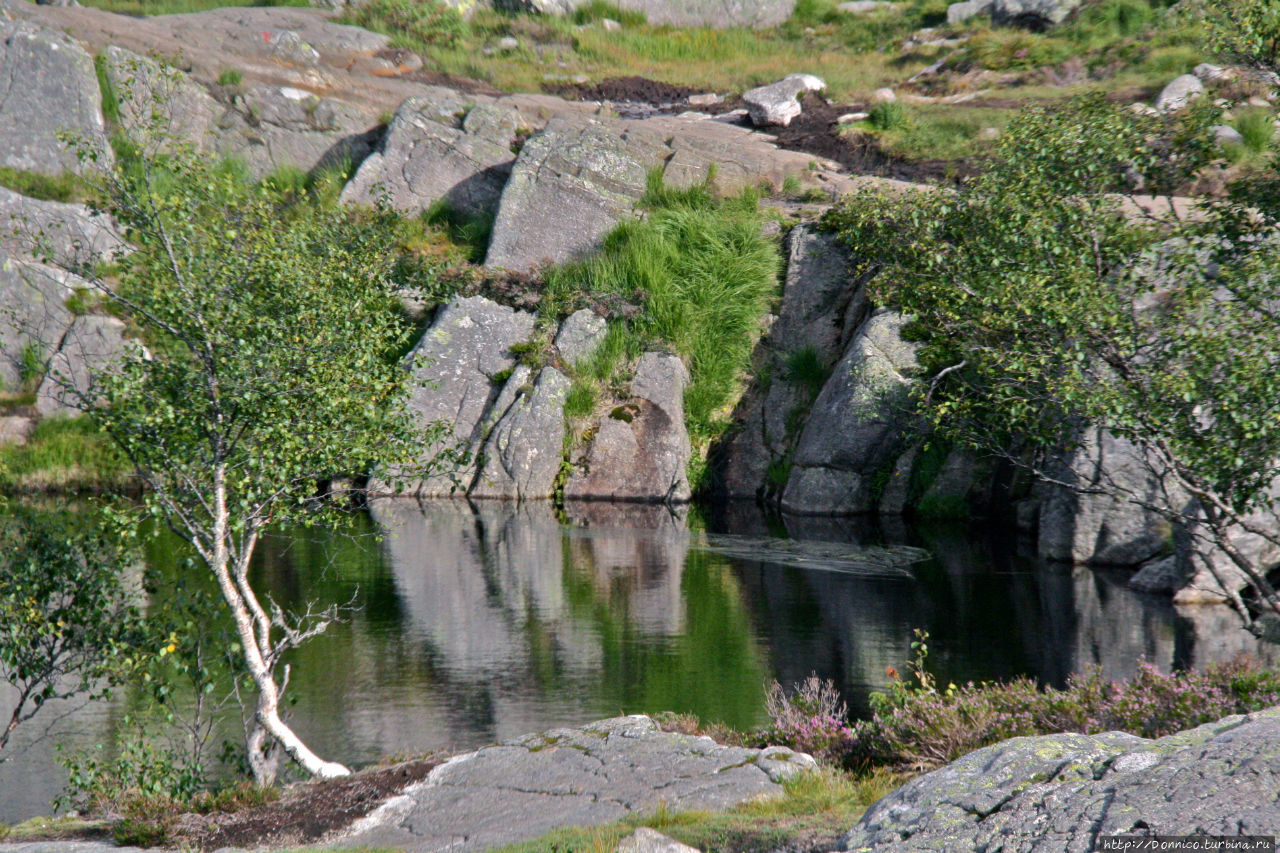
x=304, y=813
x=815, y=132
x=630, y=90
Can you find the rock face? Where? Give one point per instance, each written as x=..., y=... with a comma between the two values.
x=585, y=172
x=858, y=425
x=1066, y=792
x=277, y=126
x=146, y=91
x=1205, y=574
x=49, y=85
x=593, y=170
x=818, y=304
x=570, y=777
x=427, y=156
x=1103, y=529
x=460, y=361
x=1032, y=14
x=33, y=318
x=88, y=348
x=778, y=103
x=641, y=449
x=68, y=232
x=522, y=454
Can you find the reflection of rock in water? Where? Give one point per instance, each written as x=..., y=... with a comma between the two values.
x=640, y=570
x=487, y=592
x=1211, y=633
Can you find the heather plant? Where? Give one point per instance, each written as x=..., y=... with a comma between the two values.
x=922, y=729
x=813, y=719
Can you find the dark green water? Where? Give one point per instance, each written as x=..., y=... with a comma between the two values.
x=476, y=624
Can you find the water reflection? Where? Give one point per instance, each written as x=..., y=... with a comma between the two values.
x=475, y=624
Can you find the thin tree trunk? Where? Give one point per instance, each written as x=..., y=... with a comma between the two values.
x=267, y=713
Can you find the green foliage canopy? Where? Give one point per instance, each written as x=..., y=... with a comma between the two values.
x=1045, y=298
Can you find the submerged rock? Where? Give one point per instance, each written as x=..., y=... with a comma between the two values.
x=1066, y=792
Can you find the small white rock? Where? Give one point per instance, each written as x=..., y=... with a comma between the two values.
x=989, y=133
x=1226, y=135
x=883, y=96
x=848, y=117
x=610, y=25
x=508, y=43
x=707, y=99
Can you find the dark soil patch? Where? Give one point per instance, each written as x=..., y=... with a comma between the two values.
x=632, y=90
x=814, y=131
x=304, y=813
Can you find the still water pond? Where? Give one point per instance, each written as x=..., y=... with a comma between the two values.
x=476, y=624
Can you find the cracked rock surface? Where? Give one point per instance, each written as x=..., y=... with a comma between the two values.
x=1064, y=792
x=570, y=777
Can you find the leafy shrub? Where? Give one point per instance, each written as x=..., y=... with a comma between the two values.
x=230, y=77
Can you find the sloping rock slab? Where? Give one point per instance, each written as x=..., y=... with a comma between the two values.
x=1066, y=792
x=571, y=183
x=425, y=158
x=49, y=85
x=570, y=777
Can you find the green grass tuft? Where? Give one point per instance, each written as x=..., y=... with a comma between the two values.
x=65, y=187
x=1257, y=126
x=703, y=275
x=597, y=10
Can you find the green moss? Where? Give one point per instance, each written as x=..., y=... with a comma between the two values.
x=65, y=187
x=110, y=100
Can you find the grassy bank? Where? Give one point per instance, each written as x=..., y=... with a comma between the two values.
x=64, y=454
x=702, y=275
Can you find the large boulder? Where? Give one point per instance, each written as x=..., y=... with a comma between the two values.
x=1100, y=517
x=67, y=234
x=1205, y=573
x=779, y=103
x=859, y=425
x=641, y=449
x=522, y=454
x=1179, y=92
x=49, y=85
x=570, y=185
x=160, y=100
x=459, y=367
x=1067, y=792
x=427, y=157
x=1033, y=14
